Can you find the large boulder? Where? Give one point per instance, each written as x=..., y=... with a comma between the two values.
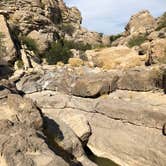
x=158, y=47
x=126, y=137
x=21, y=139
x=55, y=80
x=141, y=79
x=64, y=138
x=54, y=105
x=94, y=85
x=120, y=57
x=43, y=40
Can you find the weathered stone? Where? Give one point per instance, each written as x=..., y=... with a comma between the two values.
x=141, y=79
x=10, y=50
x=94, y=85
x=62, y=136
x=141, y=22
x=158, y=47
x=120, y=57
x=54, y=105
x=29, y=84
x=42, y=40
x=21, y=139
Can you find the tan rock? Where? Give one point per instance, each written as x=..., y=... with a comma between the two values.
x=116, y=58
x=53, y=104
x=94, y=85
x=8, y=42
x=106, y=40
x=153, y=36
x=159, y=49
x=141, y=79
x=141, y=22
x=42, y=39
x=121, y=146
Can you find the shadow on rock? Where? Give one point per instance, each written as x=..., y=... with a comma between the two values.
x=53, y=135
x=5, y=71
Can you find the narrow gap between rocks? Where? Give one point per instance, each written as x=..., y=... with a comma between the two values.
x=100, y=161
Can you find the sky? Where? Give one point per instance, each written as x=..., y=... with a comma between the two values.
x=111, y=16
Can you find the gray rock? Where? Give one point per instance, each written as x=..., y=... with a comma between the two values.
x=21, y=139
x=132, y=123
x=141, y=79
x=94, y=85
x=64, y=138
x=55, y=104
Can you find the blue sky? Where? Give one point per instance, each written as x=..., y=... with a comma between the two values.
x=111, y=16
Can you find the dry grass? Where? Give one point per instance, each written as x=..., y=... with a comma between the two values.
x=75, y=62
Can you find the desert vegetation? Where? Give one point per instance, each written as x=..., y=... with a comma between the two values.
x=30, y=43
x=60, y=51
x=162, y=22
x=137, y=40
x=67, y=28
x=115, y=37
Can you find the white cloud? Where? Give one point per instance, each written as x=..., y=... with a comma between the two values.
x=110, y=16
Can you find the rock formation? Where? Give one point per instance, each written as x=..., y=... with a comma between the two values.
x=108, y=100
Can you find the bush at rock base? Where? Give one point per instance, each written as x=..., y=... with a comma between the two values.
x=137, y=40
x=20, y=64
x=67, y=28
x=162, y=22
x=78, y=46
x=30, y=43
x=58, y=52
x=115, y=37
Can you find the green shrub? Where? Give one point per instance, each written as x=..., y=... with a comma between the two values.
x=30, y=43
x=115, y=37
x=162, y=22
x=137, y=40
x=20, y=64
x=58, y=52
x=78, y=46
x=67, y=28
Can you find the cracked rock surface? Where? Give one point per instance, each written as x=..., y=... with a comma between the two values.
x=22, y=141
x=132, y=123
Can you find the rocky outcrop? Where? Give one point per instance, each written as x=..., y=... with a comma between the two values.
x=85, y=83
x=120, y=57
x=141, y=22
x=9, y=47
x=48, y=21
x=109, y=100
x=141, y=79
x=94, y=85
x=19, y=146
x=122, y=116
x=122, y=112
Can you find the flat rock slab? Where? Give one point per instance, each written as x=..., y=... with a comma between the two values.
x=127, y=144
x=125, y=126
